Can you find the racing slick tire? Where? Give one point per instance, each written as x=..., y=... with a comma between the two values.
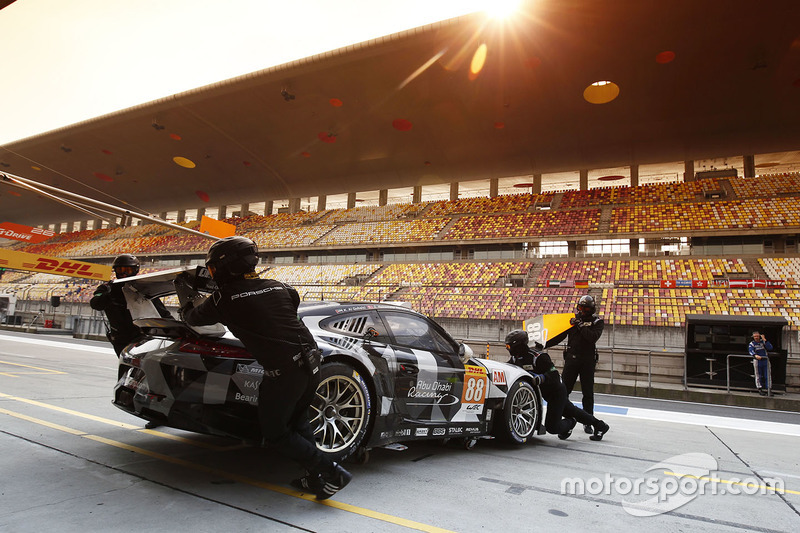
x=521, y=414
x=341, y=411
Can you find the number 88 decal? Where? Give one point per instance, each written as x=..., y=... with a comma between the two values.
x=475, y=385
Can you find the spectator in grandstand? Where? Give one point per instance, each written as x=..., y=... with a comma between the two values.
x=109, y=297
x=262, y=313
x=758, y=348
x=580, y=355
x=545, y=375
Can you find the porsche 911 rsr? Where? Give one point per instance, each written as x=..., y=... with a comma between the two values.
x=388, y=375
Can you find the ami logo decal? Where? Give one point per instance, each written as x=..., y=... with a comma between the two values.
x=498, y=377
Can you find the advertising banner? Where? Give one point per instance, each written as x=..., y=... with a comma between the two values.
x=19, y=232
x=53, y=265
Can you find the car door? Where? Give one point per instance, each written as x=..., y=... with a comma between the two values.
x=428, y=373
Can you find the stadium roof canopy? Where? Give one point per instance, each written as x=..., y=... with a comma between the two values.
x=696, y=80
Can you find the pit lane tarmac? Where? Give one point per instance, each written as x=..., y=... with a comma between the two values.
x=72, y=461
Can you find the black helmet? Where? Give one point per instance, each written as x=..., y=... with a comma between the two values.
x=517, y=342
x=231, y=256
x=125, y=265
x=586, y=305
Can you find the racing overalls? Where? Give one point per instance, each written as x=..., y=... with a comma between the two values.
x=262, y=313
x=580, y=355
x=559, y=408
x=122, y=331
x=760, y=366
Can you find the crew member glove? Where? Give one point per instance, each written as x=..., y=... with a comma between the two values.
x=103, y=289
x=538, y=379
x=575, y=320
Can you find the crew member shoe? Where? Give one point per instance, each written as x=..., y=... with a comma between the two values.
x=333, y=482
x=600, y=429
x=587, y=428
x=565, y=435
x=762, y=392
x=309, y=483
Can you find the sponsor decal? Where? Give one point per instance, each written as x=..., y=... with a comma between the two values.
x=248, y=398
x=438, y=432
x=498, y=377
x=472, y=369
x=386, y=434
x=403, y=432
x=455, y=431
x=250, y=384
x=474, y=408
x=473, y=430
x=421, y=432
x=249, y=369
x=436, y=390
x=20, y=232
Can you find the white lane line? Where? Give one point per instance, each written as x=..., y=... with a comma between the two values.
x=59, y=344
x=742, y=424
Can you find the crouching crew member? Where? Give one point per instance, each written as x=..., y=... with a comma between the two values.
x=262, y=313
x=544, y=372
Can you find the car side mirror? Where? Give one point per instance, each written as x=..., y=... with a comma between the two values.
x=464, y=352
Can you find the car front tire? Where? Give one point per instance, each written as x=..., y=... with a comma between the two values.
x=520, y=414
x=341, y=411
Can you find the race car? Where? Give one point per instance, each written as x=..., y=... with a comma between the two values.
x=388, y=375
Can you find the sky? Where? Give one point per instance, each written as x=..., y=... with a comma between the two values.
x=68, y=61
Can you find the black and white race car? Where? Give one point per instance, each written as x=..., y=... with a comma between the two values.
x=389, y=374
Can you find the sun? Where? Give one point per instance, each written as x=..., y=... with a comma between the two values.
x=501, y=9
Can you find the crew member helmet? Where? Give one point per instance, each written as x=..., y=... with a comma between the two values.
x=125, y=266
x=231, y=257
x=517, y=342
x=586, y=305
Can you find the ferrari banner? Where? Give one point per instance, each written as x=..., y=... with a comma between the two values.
x=53, y=265
x=544, y=328
x=18, y=232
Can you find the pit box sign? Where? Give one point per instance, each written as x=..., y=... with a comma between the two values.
x=53, y=265
x=543, y=328
x=19, y=232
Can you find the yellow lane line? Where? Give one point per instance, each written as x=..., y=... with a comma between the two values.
x=729, y=482
x=7, y=374
x=71, y=412
x=41, y=422
x=369, y=513
x=115, y=423
x=48, y=370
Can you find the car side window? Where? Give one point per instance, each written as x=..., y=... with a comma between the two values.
x=416, y=332
x=357, y=325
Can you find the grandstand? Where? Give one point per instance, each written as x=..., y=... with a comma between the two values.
x=632, y=290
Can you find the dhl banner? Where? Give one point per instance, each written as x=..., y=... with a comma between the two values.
x=18, y=232
x=217, y=228
x=544, y=328
x=53, y=265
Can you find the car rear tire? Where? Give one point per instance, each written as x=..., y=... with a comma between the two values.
x=521, y=414
x=341, y=411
